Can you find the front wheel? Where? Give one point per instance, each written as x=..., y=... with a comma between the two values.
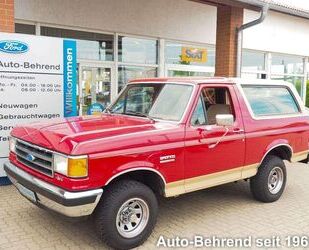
x=126, y=214
x=269, y=183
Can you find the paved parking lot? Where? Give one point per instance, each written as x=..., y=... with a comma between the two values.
x=225, y=211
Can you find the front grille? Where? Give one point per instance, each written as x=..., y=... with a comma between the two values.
x=35, y=157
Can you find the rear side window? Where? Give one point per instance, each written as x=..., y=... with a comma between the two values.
x=270, y=100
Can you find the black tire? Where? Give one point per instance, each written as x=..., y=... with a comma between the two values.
x=259, y=184
x=106, y=213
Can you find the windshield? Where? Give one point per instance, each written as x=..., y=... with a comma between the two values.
x=154, y=100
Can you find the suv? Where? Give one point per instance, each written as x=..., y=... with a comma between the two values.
x=161, y=137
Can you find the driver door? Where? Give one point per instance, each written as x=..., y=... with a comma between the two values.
x=213, y=154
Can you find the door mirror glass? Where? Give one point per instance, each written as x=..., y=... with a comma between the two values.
x=225, y=120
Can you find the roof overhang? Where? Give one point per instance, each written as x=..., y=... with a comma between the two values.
x=257, y=4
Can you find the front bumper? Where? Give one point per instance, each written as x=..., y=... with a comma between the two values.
x=43, y=194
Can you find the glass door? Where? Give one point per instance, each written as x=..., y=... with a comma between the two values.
x=95, y=85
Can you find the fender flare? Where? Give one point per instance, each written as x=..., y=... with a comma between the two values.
x=274, y=145
x=136, y=169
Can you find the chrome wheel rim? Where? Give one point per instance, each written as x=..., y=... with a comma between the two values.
x=275, y=180
x=132, y=217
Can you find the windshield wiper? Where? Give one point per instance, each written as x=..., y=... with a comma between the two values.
x=136, y=113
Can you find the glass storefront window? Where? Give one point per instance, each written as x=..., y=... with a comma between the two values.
x=253, y=60
x=295, y=80
x=25, y=28
x=176, y=53
x=179, y=73
x=93, y=50
x=91, y=46
x=127, y=73
x=137, y=50
x=253, y=75
x=286, y=64
x=307, y=93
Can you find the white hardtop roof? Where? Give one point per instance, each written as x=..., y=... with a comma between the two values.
x=212, y=80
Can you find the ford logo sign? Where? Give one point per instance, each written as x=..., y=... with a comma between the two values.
x=30, y=157
x=13, y=47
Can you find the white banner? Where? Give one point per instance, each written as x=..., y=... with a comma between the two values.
x=37, y=81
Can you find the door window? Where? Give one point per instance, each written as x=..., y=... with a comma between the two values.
x=212, y=102
x=198, y=117
x=95, y=88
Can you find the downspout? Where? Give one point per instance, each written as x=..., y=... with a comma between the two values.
x=240, y=30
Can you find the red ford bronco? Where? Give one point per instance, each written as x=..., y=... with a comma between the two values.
x=162, y=137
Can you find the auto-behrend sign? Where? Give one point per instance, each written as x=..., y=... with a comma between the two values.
x=37, y=82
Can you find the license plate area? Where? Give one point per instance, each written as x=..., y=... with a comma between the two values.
x=30, y=195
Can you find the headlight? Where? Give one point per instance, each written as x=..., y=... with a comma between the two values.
x=61, y=164
x=12, y=143
x=75, y=167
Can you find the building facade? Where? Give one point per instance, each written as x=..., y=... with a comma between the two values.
x=124, y=39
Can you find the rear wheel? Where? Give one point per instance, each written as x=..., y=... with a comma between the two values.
x=269, y=183
x=126, y=214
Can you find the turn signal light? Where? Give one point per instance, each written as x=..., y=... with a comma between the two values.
x=77, y=167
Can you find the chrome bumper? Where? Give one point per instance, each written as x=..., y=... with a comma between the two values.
x=71, y=204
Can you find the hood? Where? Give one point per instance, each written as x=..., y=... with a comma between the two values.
x=101, y=132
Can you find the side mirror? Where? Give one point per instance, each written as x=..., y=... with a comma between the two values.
x=225, y=120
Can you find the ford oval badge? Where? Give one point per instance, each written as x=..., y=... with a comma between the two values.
x=13, y=47
x=30, y=157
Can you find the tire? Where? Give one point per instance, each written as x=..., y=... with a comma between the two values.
x=128, y=229
x=264, y=186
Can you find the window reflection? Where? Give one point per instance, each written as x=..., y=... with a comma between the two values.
x=179, y=73
x=137, y=50
x=127, y=73
x=253, y=60
x=176, y=53
x=158, y=100
x=286, y=64
x=270, y=100
x=295, y=80
x=92, y=46
x=25, y=28
x=95, y=87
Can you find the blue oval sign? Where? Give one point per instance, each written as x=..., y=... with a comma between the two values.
x=13, y=47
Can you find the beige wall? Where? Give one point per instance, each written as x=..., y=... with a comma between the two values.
x=172, y=19
x=278, y=33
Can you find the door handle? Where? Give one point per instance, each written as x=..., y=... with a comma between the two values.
x=238, y=131
x=202, y=132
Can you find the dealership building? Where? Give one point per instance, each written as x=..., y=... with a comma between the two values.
x=118, y=40
x=91, y=49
